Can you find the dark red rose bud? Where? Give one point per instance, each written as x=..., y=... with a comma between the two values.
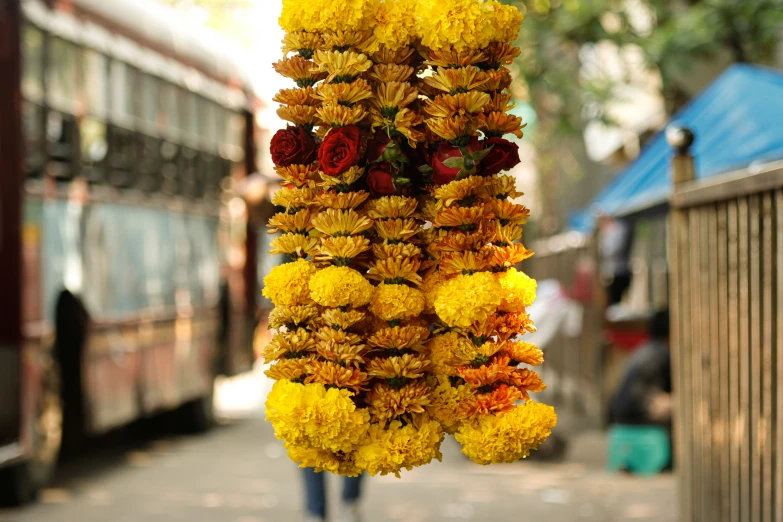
x=292, y=146
x=503, y=156
x=340, y=150
x=377, y=145
x=442, y=173
x=380, y=180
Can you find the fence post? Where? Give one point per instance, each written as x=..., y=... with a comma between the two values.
x=683, y=171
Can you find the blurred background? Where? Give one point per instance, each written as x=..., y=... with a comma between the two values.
x=136, y=185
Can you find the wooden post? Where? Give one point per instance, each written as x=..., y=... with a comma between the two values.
x=683, y=171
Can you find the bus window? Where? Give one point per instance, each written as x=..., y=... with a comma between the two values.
x=182, y=121
x=94, y=146
x=61, y=76
x=32, y=65
x=122, y=89
x=33, y=132
x=149, y=100
x=194, y=115
x=168, y=111
x=95, y=83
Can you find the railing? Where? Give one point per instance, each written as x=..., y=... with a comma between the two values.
x=727, y=318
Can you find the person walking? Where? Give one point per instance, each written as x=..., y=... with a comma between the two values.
x=315, y=497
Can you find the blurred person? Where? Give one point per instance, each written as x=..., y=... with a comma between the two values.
x=315, y=497
x=613, y=250
x=644, y=396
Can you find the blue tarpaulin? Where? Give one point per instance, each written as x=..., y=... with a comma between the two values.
x=737, y=120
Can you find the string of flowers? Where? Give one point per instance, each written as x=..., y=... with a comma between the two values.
x=375, y=199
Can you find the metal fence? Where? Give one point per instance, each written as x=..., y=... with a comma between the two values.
x=727, y=312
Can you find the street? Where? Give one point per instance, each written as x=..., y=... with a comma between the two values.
x=239, y=473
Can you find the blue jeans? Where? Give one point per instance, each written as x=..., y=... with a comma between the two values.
x=315, y=491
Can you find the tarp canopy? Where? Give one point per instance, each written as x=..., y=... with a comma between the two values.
x=737, y=121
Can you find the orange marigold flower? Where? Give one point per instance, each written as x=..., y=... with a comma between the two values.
x=455, y=263
x=297, y=223
x=452, y=128
x=523, y=353
x=494, y=81
x=341, y=65
x=393, y=56
x=392, y=207
x=394, y=95
x=332, y=222
x=451, y=58
x=395, y=271
x=302, y=42
x=291, y=369
x=300, y=70
x=399, y=337
x=295, y=245
x=505, y=235
x=407, y=365
x=303, y=96
x=289, y=345
x=299, y=114
x=464, y=218
x=502, y=398
x=387, y=402
x=499, y=54
x=298, y=175
x=526, y=381
x=500, y=102
x=342, y=250
x=488, y=375
x=402, y=123
x=332, y=374
x=390, y=73
x=397, y=230
x=503, y=325
x=398, y=251
x=344, y=93
x=453, y=81
x=340, y=320
x=503, y=186
x=508, y=212
x=499, y=123
x=462, y=191
x=448, y=105
x=292, y=316
x=343, y=353
x=335, y=115
x=508, y=256
x=342, y=200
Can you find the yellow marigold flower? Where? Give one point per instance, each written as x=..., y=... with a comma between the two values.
x=395, y=271
x=394, y=302
x=454, y=59
x=298, y=175
x=334, y=115
x=395, y=23
x=342, y=200
x=505, y=235
x=343, y=353
x=292, y=17
x=342, y=250
x=454, y=81
x=397, y=230
x=499, y=123
x=343, y=180
x=452, y=128
x=291, y=345
x=519, y=290
x=506, y=21
x=387, y=402
x=455, y=263
x=407, y=366
x=402, y=124
x=501, y=399
x=509, y=436
x=508, y=212
x=467, y=299
x=291, y=369
x=297, y=223
x=399, y=337
x=389, y=450
x=429, y=287
x=332, y=335
x=336, y=222
x=356, y=40
x=294, y=245
x=302, y=71
x=523, y=353
x=299, y=114
x=302, y=42
x=493, y=81
x=327, y=16
x=468, y=353
x=344, y=93
x=384, y=73
x=341, y=66
x=389, y=56
x=294, y=199
x=398, y=251
x=448, y=105
x=501, y=54
x=503, y=186
x=303, y=96
x=499, y=102
x=464, y=218
x=313, y=416
x=334, y=374
x=444, y=403
x=321, y=460
x=391, y=96
x=455, y=24
x=441, y=351
x=459, y=191
x=337, y=319
x=508, y=256
x=288, y=284
x=292, y=317
x=337, y=286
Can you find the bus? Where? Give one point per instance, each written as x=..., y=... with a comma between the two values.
x=128, y=267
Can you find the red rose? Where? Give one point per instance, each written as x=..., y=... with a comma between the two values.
x=380, y=180
x=377, y=145
x=503, y=156
x=292, y=146
x=339, y=150
x=441, y=173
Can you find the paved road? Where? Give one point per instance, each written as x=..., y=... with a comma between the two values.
x=239, y=473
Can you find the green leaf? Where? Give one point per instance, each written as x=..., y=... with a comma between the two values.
x=454, y=163
x=480, y=155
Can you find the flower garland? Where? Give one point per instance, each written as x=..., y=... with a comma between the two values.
x=397, y=319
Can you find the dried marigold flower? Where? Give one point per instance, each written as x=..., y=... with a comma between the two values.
x=335, y=115
x=332, y=374
x=300, y=70
x=344, y=93
x=302, y=96
x=452, y=128
x=335, y=222
x=397, y=230
x=342, y=200
x=408, y=366
x=399, y=337
x=295, y=245
x=298, y=175
x=454, y=81
x=395, y=271
x=387, y=402
x=297, y=223
x=342, y=250
x=390, y=73
x=448, y=105
x=392, y=207
x=341, y=66
x=451, y=58
x=302, y=115
x=500, y=123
